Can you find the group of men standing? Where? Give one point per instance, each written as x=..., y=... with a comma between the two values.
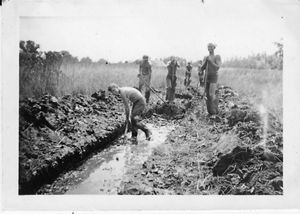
x=208, y=78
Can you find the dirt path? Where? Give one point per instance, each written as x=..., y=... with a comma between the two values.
x=104, y=171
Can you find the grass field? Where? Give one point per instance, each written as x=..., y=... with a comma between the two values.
x=259, y=86
x=87, y=80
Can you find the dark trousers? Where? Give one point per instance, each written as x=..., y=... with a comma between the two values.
x=187, y=79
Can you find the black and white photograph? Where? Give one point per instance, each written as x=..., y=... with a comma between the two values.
x=151, y=97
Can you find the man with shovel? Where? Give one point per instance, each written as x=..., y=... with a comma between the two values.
x=211, y=66
x=144, y=75
x=171, y=80
x=129, y=94
x=188, y=74
x=200, y=74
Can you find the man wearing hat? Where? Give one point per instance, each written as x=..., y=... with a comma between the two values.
x=144, y=76
x=211, y=66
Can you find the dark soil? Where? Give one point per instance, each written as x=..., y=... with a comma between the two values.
x=231, y=153
x=54, y=134
x=238, y=151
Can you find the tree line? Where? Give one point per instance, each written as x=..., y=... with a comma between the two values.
x=259, y=61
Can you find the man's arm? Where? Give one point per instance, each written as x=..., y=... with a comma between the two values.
x=203, y=67
x=216, y=64
x=140, y=70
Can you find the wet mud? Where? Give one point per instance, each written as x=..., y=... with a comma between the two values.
x=237, y=151
x=104, y=171
x=55, y=134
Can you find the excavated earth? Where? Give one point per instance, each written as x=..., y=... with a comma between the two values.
x=55, y=134
x=237, y=152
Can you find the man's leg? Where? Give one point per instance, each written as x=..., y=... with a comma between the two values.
x=147, y=96
x=208, y=98
x=172, y=90
x=214, y=97
x=168, y=81
x=141, y=83
x=137, y=110
x=212, y=101
x=147, y=93
x=134, y=130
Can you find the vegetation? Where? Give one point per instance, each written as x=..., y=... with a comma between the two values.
x=60, y=73
x=261, y=87
x=259, y=61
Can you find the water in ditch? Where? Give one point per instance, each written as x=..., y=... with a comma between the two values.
x=104, y=172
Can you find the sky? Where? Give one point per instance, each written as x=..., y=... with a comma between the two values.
x=119, y=30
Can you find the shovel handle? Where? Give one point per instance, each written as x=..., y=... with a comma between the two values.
x=151, y=89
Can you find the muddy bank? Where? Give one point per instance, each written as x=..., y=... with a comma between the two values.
x=103, y=172
x=239, y=151
x=55, y=134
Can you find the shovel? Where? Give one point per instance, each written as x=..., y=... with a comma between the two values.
x=126, y=129
x=125, y=132
x=152, y=89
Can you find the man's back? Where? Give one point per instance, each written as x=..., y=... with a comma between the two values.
x=132, y=94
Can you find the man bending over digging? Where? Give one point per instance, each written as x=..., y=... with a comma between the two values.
x=129, y=94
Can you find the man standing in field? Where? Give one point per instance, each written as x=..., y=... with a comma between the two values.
x=144, y=76
x=200, y=74
x=211, y=66
x=129, y=94
x=171, y=79
x=188, y=74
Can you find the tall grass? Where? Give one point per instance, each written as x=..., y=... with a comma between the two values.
x=261, y=87
x=88, y=79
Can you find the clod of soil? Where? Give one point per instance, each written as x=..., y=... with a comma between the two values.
x=237, y=155
x=170, y=110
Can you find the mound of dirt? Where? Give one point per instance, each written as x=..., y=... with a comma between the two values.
x=55, y=132
x=234, y=152
x=166, y=110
